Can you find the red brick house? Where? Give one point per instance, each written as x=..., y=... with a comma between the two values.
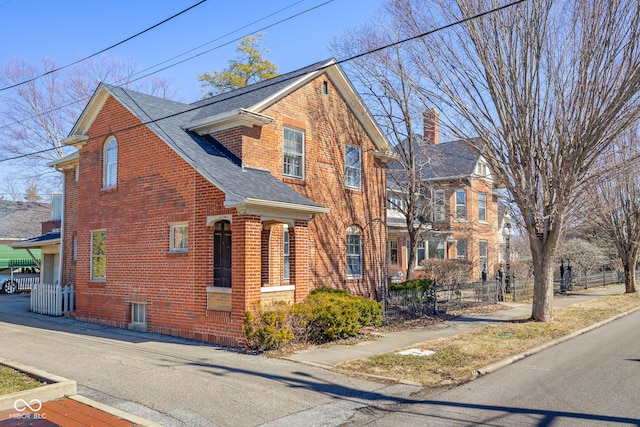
x=464, y=216
x=179, y=217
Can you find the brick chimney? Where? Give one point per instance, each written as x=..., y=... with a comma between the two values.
x=431, y=126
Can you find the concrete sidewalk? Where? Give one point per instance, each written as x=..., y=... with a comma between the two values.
x=330, y=356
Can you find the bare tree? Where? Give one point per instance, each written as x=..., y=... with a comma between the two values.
x=545, y=84
x=381, y=80
x=36, y=113
x=611, y=206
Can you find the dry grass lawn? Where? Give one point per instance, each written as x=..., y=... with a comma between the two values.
x=457, y=358
x=12, y=381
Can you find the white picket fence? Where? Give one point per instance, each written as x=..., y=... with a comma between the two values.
x=53, y=300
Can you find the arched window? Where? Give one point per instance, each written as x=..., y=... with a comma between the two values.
x=110, y=169
x=354, y=252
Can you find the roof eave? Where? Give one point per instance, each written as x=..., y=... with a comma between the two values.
x=229, y=119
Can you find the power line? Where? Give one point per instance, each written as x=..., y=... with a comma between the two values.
x=103, y=50
x=119, y=82
x=293, y=76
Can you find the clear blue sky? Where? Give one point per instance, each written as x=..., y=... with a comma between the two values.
x=67, y=30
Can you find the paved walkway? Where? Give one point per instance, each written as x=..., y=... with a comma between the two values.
x=330, y=356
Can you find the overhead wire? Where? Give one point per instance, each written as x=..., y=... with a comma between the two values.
x=295, y=76
x=128, y=80
x=55, y=70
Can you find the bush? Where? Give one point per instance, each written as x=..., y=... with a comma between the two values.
x=268, y=328
x=419, y=285
x=325, y=315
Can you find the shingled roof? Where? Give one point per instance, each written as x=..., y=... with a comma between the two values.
x=22, y=220
x=183, y=127
x=446, y=160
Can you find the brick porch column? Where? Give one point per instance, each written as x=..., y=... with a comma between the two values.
x=246, y=239
x=299, y=259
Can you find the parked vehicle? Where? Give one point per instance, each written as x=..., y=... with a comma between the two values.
x=22, y=279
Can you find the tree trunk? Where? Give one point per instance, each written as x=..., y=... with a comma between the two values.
x=630, y=275
x=543, y=258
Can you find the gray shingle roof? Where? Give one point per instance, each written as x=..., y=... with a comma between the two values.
x=446, y=160
x=169, y=120
x=22, y=220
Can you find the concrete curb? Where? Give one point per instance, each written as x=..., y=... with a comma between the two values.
x=138, y=421
x=509, y=360
x=56, y=388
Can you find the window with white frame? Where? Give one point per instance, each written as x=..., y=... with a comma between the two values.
x=438, y=205
x=352, y=166
x=286, y=257
x=461, y=204
x=461, y=249
x=482, y=207
x=483, y=254
x=395, y=201
x=179, y=237
x=110, y=167
x=293, y=153
x=437, y=249
x=483, y=169
x=354, y=252
x=421, y=251
x=393, y=251
x=99, y=255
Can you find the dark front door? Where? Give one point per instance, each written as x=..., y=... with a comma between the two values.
x=222, y=254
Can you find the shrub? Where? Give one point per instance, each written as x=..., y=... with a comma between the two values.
x=268, y=328
x=325, y=315
x=420, y=285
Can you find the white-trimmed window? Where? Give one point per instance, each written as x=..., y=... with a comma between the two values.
x=293, y=153
x=461, y=249
x=393, y=252
x=437, y=249
x=286, y=256
x=396, y=202
x=482, y=207
x=99, y=255
x=438, y=205
x=461, y=204
x=352, y=166
x=483, y=252
x=110, y=167
x=354, y=252
x=179, y=237
x=421, y=253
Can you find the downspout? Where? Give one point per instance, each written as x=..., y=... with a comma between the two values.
x=62, y=210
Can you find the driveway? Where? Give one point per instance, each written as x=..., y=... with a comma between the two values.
x=177, y=382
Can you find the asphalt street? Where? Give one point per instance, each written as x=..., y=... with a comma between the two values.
x=590, y=380
x=177, y=382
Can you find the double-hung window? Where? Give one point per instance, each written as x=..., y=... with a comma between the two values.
x=393, y=251
x=482, y=207
x=461, y=204
x=179, y=237
x=99, y=255
x=293, y=153
x=352, y=166
x=438, y=205
x=483, y=252
x=436, y=249
x=354, y=252
x=287, y=256
x=461, y=249
x=110, y=166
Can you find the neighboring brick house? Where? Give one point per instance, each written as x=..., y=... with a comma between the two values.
x=179, y=217
x=464, y=218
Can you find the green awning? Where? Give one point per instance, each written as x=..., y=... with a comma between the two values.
x=7, y=254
